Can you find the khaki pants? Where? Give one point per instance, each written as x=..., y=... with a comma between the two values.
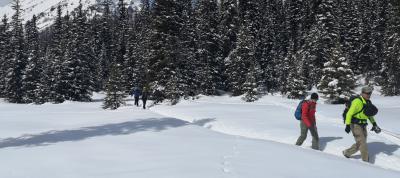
x=303, y=136
x=360, y=135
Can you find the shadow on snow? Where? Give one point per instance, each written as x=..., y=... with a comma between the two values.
x=375, y=148
x=323, y=141
x=125, y=128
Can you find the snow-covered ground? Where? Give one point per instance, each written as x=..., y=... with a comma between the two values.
x=204, y=138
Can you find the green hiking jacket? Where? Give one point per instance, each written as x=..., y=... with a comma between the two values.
x=357, y=106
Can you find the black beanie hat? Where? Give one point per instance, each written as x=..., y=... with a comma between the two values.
x=314, y=96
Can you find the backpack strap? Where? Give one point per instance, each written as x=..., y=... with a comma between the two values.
x=361, y=109
x=308, y=103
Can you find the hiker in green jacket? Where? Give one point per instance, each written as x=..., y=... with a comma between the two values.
x=356, y=121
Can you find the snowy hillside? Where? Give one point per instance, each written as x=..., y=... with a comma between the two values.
x=209, y=137
x=46, y=9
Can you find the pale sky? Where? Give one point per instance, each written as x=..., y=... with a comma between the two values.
x=4, y=2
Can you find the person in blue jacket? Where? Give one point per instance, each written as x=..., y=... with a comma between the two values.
x=136, y=93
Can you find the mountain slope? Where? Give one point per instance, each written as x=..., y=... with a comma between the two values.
x=46, y=9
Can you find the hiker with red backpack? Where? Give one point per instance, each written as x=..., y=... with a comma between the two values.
x=305, y=112
x=360, y=110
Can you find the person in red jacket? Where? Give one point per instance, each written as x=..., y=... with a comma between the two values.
x=308, y=122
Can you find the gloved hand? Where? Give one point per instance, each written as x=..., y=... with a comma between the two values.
x=376, y=128
x=347, y=129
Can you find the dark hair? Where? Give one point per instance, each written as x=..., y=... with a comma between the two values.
x=314, y=96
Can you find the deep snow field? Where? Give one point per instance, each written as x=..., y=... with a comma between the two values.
x=211, y=137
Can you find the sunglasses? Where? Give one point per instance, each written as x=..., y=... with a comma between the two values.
x=369, y=93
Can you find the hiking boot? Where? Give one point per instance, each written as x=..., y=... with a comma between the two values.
x=344, y=154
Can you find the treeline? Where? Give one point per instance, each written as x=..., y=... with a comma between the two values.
x=183, y=48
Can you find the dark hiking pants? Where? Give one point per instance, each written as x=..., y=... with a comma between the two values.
x=144, y=103
x=136, y=101
x=303, y=136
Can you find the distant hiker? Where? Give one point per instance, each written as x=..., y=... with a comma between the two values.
x=136, y=93
x=145, y=94
x=308, y=122
x=361, y=110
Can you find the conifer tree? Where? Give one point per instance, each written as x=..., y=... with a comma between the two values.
x=367, y=49
x=33, y=69
x=338, y=79
x=391, y=64
x=121, y=43
x=250, y=86
x=96, y=46
x=187, y=62
x=209, y=68
x=5, y=52
x=131, y=63
x=55, y=57
x=142, y=25
x=107, y=46
x=379, y=26
x=78, y=65
x=319, y=41
x=349, y=32
x=16, y=65
x=164, y=48
x=229, y=26
x=241, y=58
x=115, y=90
x=281, y=48
x=296, y=89
x=273, y=44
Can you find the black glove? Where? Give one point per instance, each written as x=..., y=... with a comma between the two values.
x=376, y=128
x=347, y=129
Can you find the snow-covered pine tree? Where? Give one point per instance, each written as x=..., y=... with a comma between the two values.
x=142, y=26
x=366, y=54
x=296, y=16
x=296, y=89
x=272, y=41
x=266, y=39
x=78, y=66
x=319, y=41
x=250, y=86
x=115, y=89
x=338, y=81
x=107, y=45
x=173, y=89
x=281, y=47
x=310, y=53
x=33, y=69
x=379, y=14
x=209, y=68
x=349, y=31
x=122, y=40
x=5, y=52
x=262, y=30
x=328, y=26
x=241, y=59
x=96, y=46
x=164, y=46
x=130, y=59
x=55, y=58
x=391, y=64
x=42, y=89
x=16, y=65
x=229, y=26
x=187, y=49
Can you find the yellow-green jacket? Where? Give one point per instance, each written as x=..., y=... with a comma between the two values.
x=356, y=106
